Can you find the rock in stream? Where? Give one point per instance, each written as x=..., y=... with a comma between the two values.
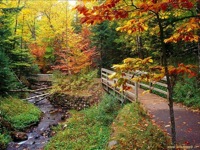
x=39, y=135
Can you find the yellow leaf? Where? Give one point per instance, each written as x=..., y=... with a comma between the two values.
x=150, y=60
x=147, y=91
x=119, y=28
x=112, y=76
x=129, y=31
x=145, y=28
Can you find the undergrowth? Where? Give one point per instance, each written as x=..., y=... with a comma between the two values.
x=95, y=127
x=88, y=129
x=4, y=140
x=133, y=129
x=77, y=82
x=19, y=114
x=187, y=91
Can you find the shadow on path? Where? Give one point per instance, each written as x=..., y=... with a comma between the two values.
x=187, y=121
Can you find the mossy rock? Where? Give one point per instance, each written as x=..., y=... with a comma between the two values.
x=70, y=101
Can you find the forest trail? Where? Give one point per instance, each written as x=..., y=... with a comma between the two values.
x=187, y=121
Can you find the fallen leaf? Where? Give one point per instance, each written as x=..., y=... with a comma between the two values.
x=167, y=126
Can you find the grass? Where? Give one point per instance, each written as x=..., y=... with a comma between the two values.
x=187, y=91
x=93, y=128
x=88, y=129
x=4, y=140
x=134, y=130
x=19, y=114
x=154, y=91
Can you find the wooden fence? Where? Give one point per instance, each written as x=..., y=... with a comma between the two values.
x=131, y=95
x=43, y=77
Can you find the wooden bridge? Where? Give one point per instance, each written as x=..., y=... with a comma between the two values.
x=43, y=77
x=131, y=95
x=187, y=121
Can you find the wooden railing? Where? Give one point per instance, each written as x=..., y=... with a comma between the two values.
x=43, y=77
x=158, y=87
x=109, y=86
x=132, y=94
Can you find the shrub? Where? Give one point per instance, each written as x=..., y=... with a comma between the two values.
x=134, y=130
x=75, y=82
x=88, y=129
x=19, y=113
x=4, y=140
x=187, y=91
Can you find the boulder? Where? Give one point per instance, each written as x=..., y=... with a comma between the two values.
x=19, y=136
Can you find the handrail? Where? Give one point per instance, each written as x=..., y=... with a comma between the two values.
x=43, y=77
x=132, y=94
x=109, y=85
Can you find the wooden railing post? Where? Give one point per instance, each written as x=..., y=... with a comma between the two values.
x=136, y=91
x=101, y=75
x=115, y=88
x=107, y=83
x=150, y=87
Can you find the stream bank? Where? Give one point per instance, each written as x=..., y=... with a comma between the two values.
x=54, y=110
x=40, y=134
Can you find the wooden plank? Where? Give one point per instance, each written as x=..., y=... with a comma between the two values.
x=142, y=84
x=161, y=84
x=104, y=74
x=130, y=95
x=159, y=90
x=44, y=77
x=37, y=96
x=107, y=71
x=127, y=94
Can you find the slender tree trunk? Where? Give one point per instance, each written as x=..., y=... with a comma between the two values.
x=169, y=84
x=16, y=23
x=199, y=55
x=198, y=11
x=22, y=33
x=140, y=47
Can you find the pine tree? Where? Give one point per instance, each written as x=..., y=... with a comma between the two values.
x=8, y=80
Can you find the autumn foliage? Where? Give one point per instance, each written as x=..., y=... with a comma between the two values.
x=138, y=16
x=73, y=52
x=145, y=70
x=38, y=52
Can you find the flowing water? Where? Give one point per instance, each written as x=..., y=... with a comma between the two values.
x=39, y=135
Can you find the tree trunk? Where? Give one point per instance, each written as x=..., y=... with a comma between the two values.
x=199, y=55
x=16, y=23
x=140, y=47
x=169, y=84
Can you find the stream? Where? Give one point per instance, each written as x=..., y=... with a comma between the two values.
x=39, y=135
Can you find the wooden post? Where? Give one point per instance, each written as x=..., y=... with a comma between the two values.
x=115, y=88
x=150, y=87
x=107, y=81
x=136, y=91
x=101, y=75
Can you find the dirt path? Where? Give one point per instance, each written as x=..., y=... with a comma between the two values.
x=187, y=121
